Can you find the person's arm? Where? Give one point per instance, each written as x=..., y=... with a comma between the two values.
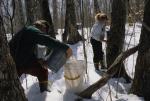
x=51, y=43
x=69, y=52
x=102, y=34
x=44, y=39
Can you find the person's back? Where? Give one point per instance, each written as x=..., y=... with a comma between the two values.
x=22, y=49
x=97, y=31
x=22, y=46
x=14, y=44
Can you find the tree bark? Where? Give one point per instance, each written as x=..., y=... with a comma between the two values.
x=29, y=11
x=47, y=16
x=141, y=80
x=117, y=36
x=19, y=19
x=71, y=34
x=55, y=15
x=87, y=93
x=96, y=7
x=10, y=87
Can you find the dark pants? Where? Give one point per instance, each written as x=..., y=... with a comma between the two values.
x=34, y=69
x=97, y=50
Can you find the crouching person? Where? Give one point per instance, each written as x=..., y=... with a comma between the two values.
x=22, y=50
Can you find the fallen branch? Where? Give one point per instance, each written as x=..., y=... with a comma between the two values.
x=87, y=93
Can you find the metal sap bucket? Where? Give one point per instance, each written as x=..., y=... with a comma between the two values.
x=55, y=59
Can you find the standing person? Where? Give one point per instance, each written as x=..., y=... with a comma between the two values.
x=22, y=49
x=97, y=37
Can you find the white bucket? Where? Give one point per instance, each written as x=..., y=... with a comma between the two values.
x=74, y=72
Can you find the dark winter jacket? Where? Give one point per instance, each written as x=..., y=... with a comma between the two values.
x=24, y=42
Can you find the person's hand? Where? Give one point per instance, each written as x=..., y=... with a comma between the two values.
x=69, y=52
x=43, y=63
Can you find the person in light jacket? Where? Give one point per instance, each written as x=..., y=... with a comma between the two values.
x=97, y=37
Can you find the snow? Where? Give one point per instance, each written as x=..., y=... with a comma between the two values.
x=114, y=90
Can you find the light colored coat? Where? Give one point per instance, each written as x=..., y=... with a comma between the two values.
x=98, y=31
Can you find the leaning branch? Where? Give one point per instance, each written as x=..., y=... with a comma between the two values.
x=87, y=93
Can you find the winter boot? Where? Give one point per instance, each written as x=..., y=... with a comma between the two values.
x=96, y=65
x=102, y=64
x=44, y=86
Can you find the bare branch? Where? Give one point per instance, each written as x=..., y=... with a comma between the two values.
x=87, y=93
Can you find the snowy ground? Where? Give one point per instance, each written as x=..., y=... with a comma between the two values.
x=114, y=90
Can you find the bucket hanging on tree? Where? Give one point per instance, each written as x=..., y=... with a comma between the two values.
x=74, y=72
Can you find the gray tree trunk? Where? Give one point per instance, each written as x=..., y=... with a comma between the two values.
x=37, y=10
x=141, y=82
x=55, y=15
x=71, y=34
x=19, y=19
x=96, y=7
x=33, y=11
x=29, y=11
x=117, y=36
x=47, y=16
x=10, y=87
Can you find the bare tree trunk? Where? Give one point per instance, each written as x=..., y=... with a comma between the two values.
x=96, y=7
x=47, y=16
x=71, y=34
x=19, y=19
x=29, y=11
x=11, y=17
x=141, y=80
x=87, y=93
x=10, y=87
x=55, y=15
x=33, y=11
x=117, y=36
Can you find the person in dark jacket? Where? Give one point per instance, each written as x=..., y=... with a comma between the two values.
x=22, y=49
